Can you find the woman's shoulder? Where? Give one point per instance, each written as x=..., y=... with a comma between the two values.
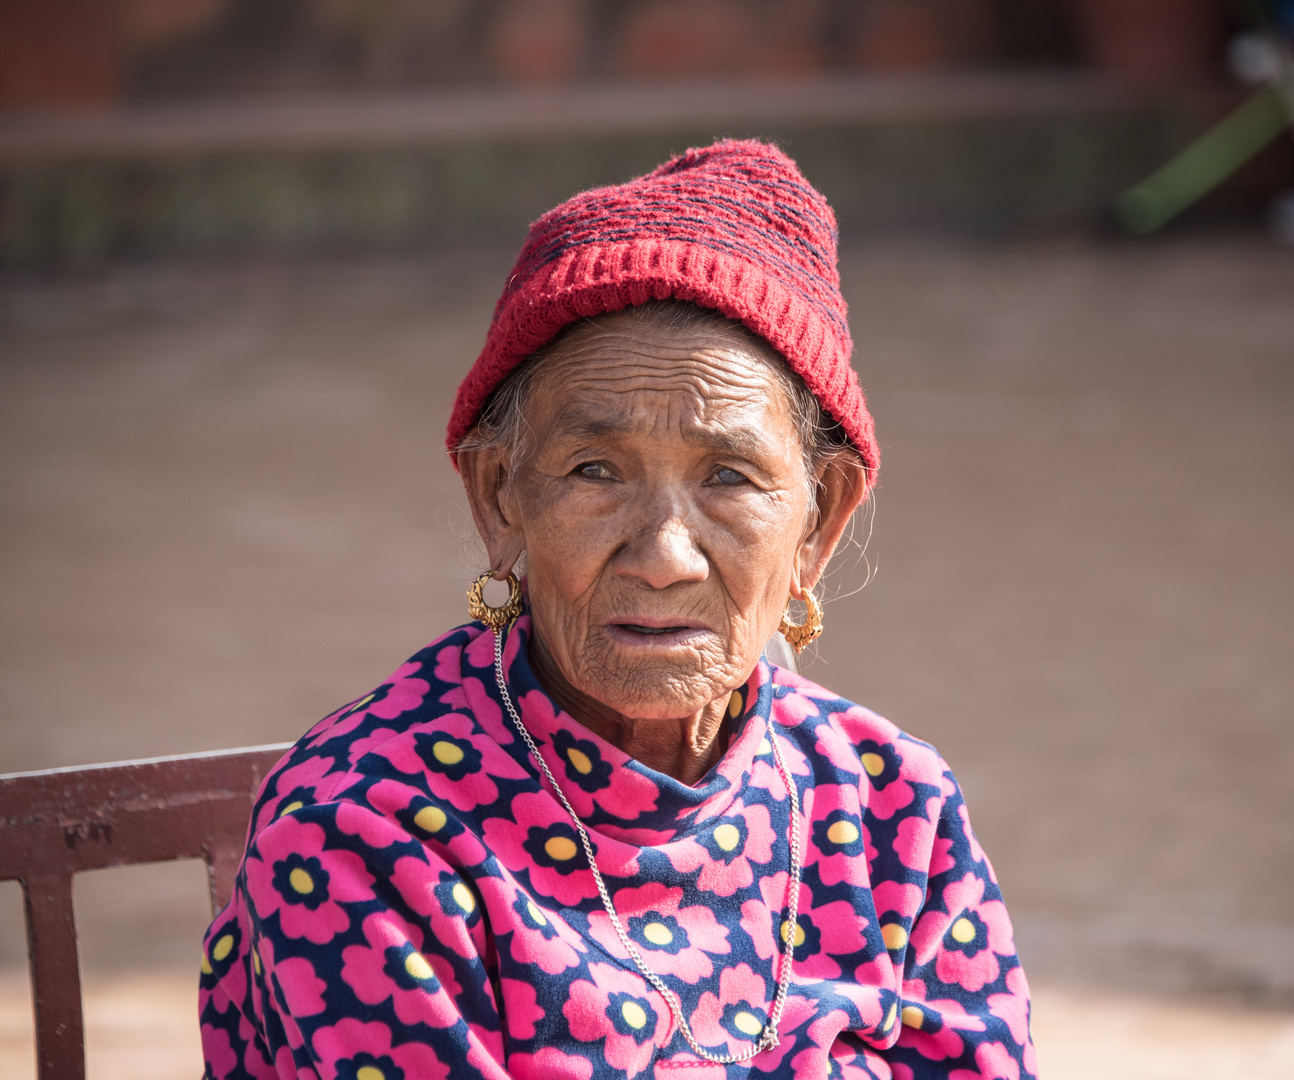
x=852, y=736
x=329, y=759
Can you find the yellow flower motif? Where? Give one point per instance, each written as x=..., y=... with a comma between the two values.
x=727, y=836
x=874, y=764
x=560, y=848
x=446, y=752
x=463, y=897
x=894, y=935
x=843, y=832
x=634, y=1014
x=431, y=818
x=657, y=933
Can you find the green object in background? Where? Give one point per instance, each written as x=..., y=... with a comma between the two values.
x=1204, y=164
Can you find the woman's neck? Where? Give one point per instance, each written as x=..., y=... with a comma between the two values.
x=685, y=748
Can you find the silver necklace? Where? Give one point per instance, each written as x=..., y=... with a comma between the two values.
x=768, y=1036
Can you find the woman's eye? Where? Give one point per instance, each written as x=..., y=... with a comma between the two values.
x=729, y=477
x=593, y=470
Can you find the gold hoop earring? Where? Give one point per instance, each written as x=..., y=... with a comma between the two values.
x=799, y=636
x=496, y=618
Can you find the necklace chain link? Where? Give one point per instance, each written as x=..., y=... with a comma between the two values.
x=768, y=1037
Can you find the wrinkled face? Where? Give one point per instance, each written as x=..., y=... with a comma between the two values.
x=662, y=506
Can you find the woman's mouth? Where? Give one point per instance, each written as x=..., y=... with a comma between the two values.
x=656, y=632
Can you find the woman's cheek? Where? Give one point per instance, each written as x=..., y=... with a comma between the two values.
x=567, y=550
x=752, y=510
x=761, y=533
x=567, y=502
x=555, y=513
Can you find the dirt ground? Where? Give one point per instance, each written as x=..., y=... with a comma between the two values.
x=226, y=511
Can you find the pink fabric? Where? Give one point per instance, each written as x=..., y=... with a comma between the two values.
x=421, y=907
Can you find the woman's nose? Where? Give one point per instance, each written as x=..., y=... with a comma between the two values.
x=664, y=550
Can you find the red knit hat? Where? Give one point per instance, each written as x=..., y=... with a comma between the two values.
x=734, y=227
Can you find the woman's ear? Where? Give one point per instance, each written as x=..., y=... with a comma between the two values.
x=840, y=490
x=486, y=481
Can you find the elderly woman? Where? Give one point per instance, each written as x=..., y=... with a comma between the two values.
x=594, y=832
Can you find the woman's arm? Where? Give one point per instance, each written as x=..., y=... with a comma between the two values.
x=349, y=944
x=965, y=1009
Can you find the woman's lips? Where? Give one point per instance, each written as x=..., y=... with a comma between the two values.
x=654, y=631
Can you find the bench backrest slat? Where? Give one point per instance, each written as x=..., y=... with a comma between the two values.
x=56, y=823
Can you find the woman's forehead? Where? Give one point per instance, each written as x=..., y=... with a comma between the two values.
x=617, y=387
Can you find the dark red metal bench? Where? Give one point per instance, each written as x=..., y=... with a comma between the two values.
x=56, y=823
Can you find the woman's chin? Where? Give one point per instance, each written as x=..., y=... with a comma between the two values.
x=655, y=685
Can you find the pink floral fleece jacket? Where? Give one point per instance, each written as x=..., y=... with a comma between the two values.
x=414, y=903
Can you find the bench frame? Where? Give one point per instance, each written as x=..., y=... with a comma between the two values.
x=56, y=823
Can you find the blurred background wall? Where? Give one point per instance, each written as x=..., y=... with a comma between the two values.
x=147, y=127
x=247, y=250
x=140, y=50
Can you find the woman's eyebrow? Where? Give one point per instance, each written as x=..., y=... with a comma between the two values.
x=742, y=442
x=576, y=423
